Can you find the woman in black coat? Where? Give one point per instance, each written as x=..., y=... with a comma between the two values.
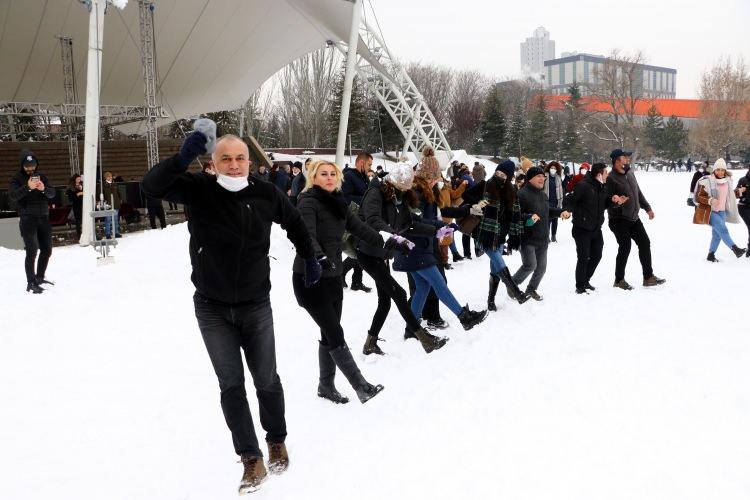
x=326, y=215
x=75, y=197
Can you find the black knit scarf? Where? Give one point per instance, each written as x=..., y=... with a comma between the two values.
x=335, y=202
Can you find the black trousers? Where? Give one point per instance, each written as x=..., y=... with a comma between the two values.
x=553, y=226
x=589, y=245
x=388, y=289
x=153, y=213
x=323, y=302
x=350, y=264
x=625, y=231
x=466, y=243
x=745, y=214
x=37, y=237
x=227, y=332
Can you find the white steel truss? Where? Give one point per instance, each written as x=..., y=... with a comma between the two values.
x=69, y=88
x=146, y=10
x=390, y=83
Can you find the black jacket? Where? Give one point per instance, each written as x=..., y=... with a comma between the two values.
x=587, y=202
x=355, y=185
x=625, y=185
x=535, y=201
x=744, y=200
x=76, y=202
x=326, y=216
x=229, y=232
x=281, y=179
x=394, y=217
x=31, y=202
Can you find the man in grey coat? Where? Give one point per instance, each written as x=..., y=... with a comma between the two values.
x=623, y=208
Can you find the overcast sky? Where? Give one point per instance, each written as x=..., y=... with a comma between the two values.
x=688, y=35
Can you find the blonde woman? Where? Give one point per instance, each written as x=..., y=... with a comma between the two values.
x=716, y=198
x=326, y=215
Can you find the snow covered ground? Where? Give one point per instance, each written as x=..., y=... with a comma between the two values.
x=107, y=391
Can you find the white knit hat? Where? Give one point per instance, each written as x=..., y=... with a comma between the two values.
x=720, y=163
x=401, y=176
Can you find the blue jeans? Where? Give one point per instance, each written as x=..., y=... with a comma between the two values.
x=453, y=247
x=228, y=332
x=497, y=263
x=424, y=279
x=108, y=224
x=719, y=231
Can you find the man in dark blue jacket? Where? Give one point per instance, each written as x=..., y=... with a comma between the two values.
x=31, y=192
x=355, y=185
x=230, y=226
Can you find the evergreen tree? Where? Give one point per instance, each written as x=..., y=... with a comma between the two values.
x=674, y=139
x=493, y=123
x=571, y=147
x=653, y=128
x=537, y=139
x=516, y=130
x=358, y=113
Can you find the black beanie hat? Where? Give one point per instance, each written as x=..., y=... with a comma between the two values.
x=533, y=172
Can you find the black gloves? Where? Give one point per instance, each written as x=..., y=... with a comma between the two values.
x=193, y=146
x=313, y=271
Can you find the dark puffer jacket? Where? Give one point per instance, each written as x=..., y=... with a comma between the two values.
x=625, y=185
x=326, y=216
x=355, y=185
x=743, y=200
x=534, y=201
x=587, y=202
x=230, y=232
x=31, y=202
x=393, y=216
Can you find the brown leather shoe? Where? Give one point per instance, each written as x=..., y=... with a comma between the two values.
x=278, y=458
x=653, y=281
x=254, y=474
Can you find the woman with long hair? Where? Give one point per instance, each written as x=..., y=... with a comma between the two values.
x=326, y=215
x=75, y=197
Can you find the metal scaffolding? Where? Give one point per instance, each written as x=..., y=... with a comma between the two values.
x=390, y=83
x=69, y=87
x=146, y=10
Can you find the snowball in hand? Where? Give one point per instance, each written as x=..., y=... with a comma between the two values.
x=208, y=128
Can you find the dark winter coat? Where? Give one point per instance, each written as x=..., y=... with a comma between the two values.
x=493, y=230
x=298, y=184
x=111, y=195
x=625, y=185
x=76, y=202
x=326, y=216
x=230, y=233
x=393, y=216
x=587, y=202
x=696, y=177
x=281, y=180
x=355, y=185
x=744, y=199
x=534, y=201
x=263, y=176
x=30, y=201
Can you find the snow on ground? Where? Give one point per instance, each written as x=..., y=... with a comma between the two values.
x=107, y=391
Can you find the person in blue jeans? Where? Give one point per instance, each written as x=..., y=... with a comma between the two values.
x=114, y=200
x=715, y=191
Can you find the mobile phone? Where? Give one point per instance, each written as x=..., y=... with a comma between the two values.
x=35, y=178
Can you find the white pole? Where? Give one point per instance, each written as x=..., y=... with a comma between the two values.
x=91, y=138
x=351, y=61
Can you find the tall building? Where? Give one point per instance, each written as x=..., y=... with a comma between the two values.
x=652, y=82
x=536, y=50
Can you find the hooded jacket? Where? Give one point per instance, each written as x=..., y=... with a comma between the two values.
x=30, y=202
x=587, y=202
x=625, y=185
x=230, y=232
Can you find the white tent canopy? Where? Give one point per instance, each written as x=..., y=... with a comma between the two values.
x=210, y=54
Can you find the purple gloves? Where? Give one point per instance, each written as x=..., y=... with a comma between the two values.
x=444, y=232
x=400, y=240
x=396, y=243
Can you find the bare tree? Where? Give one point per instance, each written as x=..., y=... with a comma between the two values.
x=258, y=109
x=435, y=84
x=619, y=84
x=465, y=109
x=724, y=125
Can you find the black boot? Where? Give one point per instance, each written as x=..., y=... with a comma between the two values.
x=457, y=257
x=326, y=389
x=469, y=319
x=494, y=283
x=344, y=360
x=41, y=281
x=429, y=342
x=711, y=257
x=514, y=292
x=32, y=286
x=738, y=252
x=371, y=346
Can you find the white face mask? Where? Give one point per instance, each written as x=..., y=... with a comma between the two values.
x=583, y=171
x=232, y=184
x=552, y=172
x=701, y=170
x=440, y=185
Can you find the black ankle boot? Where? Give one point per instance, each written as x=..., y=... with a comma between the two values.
x=344, y=360
x=371, y=346
x=738, y=252
x=326, y=388
x=469, y=319
x=511, y=287
x=494, y=284
x=712, y=257
x=32, y=286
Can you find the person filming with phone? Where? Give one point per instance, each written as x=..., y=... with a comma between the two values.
x=31, y=192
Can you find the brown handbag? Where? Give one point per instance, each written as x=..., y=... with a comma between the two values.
x=467, y=224
x=702, y=213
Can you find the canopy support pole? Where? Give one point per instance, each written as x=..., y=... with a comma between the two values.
x=351, y=66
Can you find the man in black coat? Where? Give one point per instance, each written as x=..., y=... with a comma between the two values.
x=587, y=202
x=355, y=185
x=535, y=213
x=230, y=227
x=625, y=203
x=31, y=192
